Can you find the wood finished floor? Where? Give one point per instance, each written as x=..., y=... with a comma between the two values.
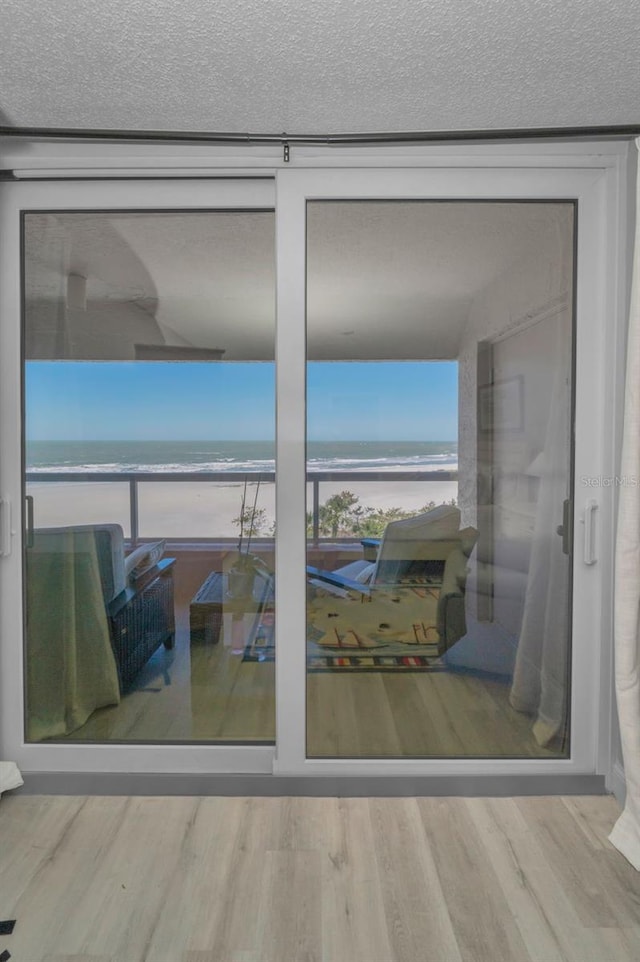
x=211, y=694
x=315, y=880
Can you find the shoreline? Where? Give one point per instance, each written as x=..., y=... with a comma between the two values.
x=203, y=509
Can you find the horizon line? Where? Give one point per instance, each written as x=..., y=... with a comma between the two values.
x=239, y=440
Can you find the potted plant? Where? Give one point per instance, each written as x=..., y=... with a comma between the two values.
x=241, y=574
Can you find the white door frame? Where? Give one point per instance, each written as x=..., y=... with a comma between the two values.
x=595, y=292
x=592, y=173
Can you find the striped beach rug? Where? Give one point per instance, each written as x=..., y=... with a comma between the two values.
x=392, y=657
x=394, y=663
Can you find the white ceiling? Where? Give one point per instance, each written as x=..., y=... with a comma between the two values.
x=385, y=279
x=319, y=65
x=380, y=275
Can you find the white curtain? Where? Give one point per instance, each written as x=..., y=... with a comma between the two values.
x=71, y=668
x=626, y=832
x=540, y=680
x=10, y=777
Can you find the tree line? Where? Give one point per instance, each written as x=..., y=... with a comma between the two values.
x=341, y=516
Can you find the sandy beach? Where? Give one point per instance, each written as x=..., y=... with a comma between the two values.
x=205, y=509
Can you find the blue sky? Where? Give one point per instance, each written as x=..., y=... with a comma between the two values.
x=78, y=400
x=382, y=400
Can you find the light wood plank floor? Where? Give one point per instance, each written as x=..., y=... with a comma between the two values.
x=210, y=694
x=315, y=880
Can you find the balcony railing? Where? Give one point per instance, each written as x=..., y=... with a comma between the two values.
x=314, y=478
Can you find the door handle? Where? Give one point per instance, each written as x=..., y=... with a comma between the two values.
x=30, y=535
x=565, y=530
x=590, y=509
x=5, y=527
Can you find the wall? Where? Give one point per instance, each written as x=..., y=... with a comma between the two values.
x=538, y=285
x=105, y=331
x=523, y=311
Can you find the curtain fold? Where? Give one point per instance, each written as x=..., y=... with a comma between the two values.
x=10, y=777
x=71, y=668
x=540, y=681
x=626, y=832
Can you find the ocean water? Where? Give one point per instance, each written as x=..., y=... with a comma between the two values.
x=235, y=456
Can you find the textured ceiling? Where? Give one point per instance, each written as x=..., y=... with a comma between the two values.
x=384, y=279
x=309, y=66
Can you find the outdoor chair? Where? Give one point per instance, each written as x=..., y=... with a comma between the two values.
x=418, y=578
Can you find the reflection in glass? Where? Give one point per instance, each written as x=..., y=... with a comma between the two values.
x=439, y=361
x=149, y=456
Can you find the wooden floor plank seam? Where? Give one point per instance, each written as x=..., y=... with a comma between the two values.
x=182, y=879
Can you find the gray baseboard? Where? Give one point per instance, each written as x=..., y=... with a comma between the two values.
x=102, y=783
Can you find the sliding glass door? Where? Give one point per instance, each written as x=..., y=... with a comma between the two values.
x=441, y=622
x=439, y=401
x=148, y=393
x=149, y=468
x=435, y=376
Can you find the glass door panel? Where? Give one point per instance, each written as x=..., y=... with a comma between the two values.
x=149, y=465
x=439, y=411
